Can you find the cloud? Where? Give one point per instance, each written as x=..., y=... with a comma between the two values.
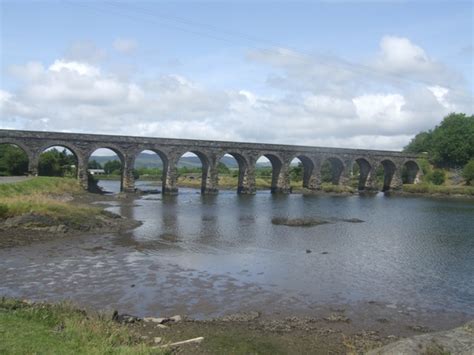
x=125, y=45
x=321, y=101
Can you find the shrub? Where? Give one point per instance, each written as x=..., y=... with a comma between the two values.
x=3, y=211
x=437, y=177
x=468, y=172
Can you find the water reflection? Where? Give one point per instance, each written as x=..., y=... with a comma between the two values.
x=219, y=250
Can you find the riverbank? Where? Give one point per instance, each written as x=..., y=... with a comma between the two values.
x=47, y=207
x=62, y=328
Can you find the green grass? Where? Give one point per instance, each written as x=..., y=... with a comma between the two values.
x=439, y=189
x=61, y=329
x=42, y=195
x=41, y=184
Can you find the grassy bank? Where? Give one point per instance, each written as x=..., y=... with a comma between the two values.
x=431, y=189
x=45, y=196
x=61, y=329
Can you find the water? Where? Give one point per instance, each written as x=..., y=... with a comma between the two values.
x=209, y=255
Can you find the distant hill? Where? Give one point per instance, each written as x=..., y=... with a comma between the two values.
x=150, y=160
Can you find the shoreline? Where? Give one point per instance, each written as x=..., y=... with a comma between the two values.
x=244, y=332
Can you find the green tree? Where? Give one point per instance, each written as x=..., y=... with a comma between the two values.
x=94, y=164
x=450, y=144
x=438, y=177
x=113, y=167
x=296, y=172
x=56, y=163
x=422, y=142
x=222, y=168
x=13, y=160
x=468, y=172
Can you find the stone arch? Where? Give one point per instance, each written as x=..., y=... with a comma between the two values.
x=364, y=171
x=19, y=166
x=205, y=163
x=116, y=149
x=277, y=163
x=308, y=167
x=389, y=168
x=18, y=143
x=160, y=153
x=411, y=172
x=71, y=147
x=243, y=165
x=336, y=166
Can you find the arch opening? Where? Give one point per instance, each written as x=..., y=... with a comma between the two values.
x=192, y=169
x=360, y=173
x=267, y=171
x=13, y=160
x=231, y=169
x=410, y=172
x=331, y=170
x=58, y=160
x=301, y=168
x=149, y=167
x=384, y=174
x=105, y=170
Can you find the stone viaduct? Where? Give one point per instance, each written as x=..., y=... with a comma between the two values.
x=210, y=152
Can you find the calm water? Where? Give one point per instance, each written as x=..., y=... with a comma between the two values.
x=209, y=255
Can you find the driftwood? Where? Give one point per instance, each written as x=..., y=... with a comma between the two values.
x=189, y=341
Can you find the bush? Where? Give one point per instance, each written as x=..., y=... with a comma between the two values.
x=437, y=177
x=468, y=172
x=3, y=211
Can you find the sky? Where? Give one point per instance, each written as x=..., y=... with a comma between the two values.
x=323, y=73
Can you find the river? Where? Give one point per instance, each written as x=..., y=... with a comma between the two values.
x=206, y=256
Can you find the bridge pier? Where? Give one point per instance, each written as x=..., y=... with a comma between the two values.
x=210, y=177
x=396, y=183
x=282, y=183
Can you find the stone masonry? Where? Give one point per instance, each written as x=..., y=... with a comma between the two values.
x=210, y=152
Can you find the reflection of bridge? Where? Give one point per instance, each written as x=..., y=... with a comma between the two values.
x=210, y=152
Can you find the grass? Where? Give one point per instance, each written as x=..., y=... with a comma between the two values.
x=42, y=195
x=61, y=329
x=425, y=188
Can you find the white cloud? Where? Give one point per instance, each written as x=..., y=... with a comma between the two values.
x=125, y=45
x=313, y=101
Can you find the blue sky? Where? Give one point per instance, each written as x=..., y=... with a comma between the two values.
x=321, y=73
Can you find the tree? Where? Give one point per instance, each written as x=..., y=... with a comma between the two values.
x=222, y=168
x=468, y=172
x=421, y=143
x=296, y=172
x=94, y=164
x=13, y=160
x=437, y=177
x=450, y=144
x=113, y=167
x=56, y=163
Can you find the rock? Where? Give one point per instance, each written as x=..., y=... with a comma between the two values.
x=337, y=318
x=419, y=328
x=155, y=320
x=455, y=341
x=308, y=251
x=157, y=340
x=176, y=318
x=241, y=317
x=125, y=318
x=298, y=222
x=162, y=326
